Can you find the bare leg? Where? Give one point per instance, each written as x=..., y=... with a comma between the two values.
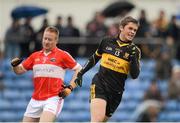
x=106, y=119
x=30, y=119
x=47, y=117
x=98, y=110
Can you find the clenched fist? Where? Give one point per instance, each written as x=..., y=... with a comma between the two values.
x=66, y=91
x=16, y=61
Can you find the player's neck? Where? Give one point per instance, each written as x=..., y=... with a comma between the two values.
x=123, y=39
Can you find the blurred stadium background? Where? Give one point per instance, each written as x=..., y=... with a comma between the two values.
x=82, y=24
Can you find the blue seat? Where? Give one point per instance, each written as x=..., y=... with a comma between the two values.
x=147, y=75
x=12, y=94
x=74, y=116
x=10, y=74
x=175, y=62
x=28, y=75
x=13, y=116
x=122, y=116
x=82, y=116
x=169, y=116
x=24, y=84
x=81, y=61
x=163, y=87
x=162, y=117
x=5, y=104
x=83, y=94
x=171, y=105
x=68, y=76
x=19, y=104
x=65, y=116
x=173, y=116
x=6, y=66
x=76, y=104
x=27, y=94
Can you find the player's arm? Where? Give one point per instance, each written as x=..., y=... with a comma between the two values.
x=77, y=76
x=69, y=88
x=76, y=70
x=17, y=66
x=135, y=62
x=89, y=64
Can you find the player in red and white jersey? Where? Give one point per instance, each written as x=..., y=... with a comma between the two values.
x=48, y=66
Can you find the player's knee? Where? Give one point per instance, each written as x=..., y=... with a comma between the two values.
x=97, y=118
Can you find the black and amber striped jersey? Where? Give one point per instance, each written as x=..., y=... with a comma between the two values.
x=115, y=61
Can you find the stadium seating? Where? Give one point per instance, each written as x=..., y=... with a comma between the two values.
x=18, y=89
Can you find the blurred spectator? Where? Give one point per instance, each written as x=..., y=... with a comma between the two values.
x=1, y=49
x=164, y=65
x=153, y=101
x=96, y=27
x=39, y=34
x=153, y=93
x=70, y=30
x=173, y=34
x=153, y=30
x=150, y=50
x=169, y=44
x=174, y=83
x=162, y=23
x=144, y=25
x=143, y=32
x=173, y=28
x=1, y=77
x=13, y=38
x=29, y=37
x=59, y=25
x=113, y=30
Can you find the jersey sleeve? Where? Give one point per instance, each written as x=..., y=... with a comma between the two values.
x=69, y=61
x=138, y=54
x=99, y=50
x=28, y=63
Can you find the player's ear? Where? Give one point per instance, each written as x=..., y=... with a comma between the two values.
x=57, y=40
x=120, y=28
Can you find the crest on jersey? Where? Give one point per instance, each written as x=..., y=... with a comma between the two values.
x=52, y=59
x=109, y=48
x=126, y=55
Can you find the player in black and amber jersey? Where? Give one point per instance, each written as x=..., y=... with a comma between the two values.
x=119, y=57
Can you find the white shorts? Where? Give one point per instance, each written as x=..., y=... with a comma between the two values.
x=36, y=107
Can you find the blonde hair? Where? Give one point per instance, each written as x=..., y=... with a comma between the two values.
x=53, y=30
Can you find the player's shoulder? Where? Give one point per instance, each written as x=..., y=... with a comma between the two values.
x=108, y=39
x=138, y=49
x=62, y=52
x=36, y=53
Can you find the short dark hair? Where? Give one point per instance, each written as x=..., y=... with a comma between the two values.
x=127, y=20
x=53, y=29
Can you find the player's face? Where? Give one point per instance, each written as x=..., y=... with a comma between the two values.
x=128, y=32
x=49, y=41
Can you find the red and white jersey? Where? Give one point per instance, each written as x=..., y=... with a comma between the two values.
x=48, y=71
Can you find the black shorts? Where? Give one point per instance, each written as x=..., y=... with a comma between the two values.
x=101, y=90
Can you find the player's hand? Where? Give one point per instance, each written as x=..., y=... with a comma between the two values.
x=133, y=53
x=78, y=80
x=16, y=61
x=66, y=91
